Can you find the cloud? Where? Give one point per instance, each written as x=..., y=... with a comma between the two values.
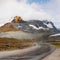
x=53, y=8
x=38, y=1
x=11, y=8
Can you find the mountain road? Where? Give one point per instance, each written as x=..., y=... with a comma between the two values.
x=37, y=52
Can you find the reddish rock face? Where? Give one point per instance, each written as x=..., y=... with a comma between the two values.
x=8, y=26
x=16, y=19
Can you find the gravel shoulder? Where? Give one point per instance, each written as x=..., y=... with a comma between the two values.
x=54, y=56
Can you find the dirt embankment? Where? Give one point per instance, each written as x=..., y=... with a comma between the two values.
x=54, y=56
x=11, y=44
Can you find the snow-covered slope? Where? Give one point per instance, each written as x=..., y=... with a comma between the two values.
x=37, y=28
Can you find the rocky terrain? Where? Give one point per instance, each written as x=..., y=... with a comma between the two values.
x=33, y=28
x=21, y=34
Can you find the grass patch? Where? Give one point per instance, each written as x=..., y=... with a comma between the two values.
x=55, y=43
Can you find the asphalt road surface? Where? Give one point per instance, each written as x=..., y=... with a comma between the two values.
x=37, y=52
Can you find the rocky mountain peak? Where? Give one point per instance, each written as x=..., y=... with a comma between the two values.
x=18, y=24
x=17, y=19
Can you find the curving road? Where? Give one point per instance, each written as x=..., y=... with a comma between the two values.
x=34, y=53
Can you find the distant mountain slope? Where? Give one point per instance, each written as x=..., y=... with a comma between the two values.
x=31, y=26
x=7, y=27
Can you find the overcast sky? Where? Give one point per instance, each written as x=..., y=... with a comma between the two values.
x=30, y=9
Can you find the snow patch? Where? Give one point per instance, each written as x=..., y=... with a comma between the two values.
x=56, y=34
x=36, y=27
x=48, y=25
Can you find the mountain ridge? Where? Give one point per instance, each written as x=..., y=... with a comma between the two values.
x=32, y=26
